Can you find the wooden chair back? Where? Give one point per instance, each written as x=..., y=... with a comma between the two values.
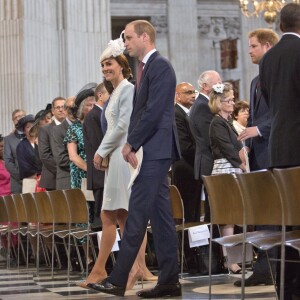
x=21, y=211
x=3, y=211
x=44, y=208
x=60, y=207
x=288, y=181
x=77, y=206
x=176, y=203
x=11, y=208
x=30, y=207
x=262, y=201
x=225, y=200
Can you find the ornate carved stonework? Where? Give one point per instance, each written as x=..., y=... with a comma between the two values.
x=216, y=26
x=204, y=25
x=160, y=23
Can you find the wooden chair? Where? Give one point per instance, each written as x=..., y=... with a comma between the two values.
x=4, y=227
x=223, y=192
x=79, y=213
x=22, y=218
x=47, y=224
x=177, y=207
x=34, y=226
x=289, y=188
x=16, y=227
x=61, y=214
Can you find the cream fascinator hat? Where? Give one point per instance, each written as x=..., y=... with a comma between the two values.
x=114, y=48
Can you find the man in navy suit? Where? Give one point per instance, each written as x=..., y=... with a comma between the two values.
x=200, y=118
x=152, y=126
x=92, y=136
x=257, y=139
x=280, y=76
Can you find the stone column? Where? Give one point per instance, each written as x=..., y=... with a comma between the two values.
x=87, y=32
x=183, y=45
x=48, y=48
x=11, y=61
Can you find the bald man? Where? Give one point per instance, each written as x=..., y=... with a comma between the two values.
x=183, y=169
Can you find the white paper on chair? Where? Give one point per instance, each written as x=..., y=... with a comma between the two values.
x=116, y=244
x=198, y=235
x=135, y=172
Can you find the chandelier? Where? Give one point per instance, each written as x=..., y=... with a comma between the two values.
x=269, y=8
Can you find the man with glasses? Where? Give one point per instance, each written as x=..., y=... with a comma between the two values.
x=45, y=137
x=60, y=151
x=200, y=118
x=183, y=169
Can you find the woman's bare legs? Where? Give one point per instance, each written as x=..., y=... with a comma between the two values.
x=98, y=272
x=225, y=231
x=141, y=260
x=139, y=268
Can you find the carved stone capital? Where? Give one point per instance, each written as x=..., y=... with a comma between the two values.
x=160, y=23
x=218, y=26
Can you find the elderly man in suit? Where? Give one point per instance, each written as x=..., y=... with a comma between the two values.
x=11, y=142
x=183, y=169
x=200, y=118
x=256, y=136
x=92, y=136
x=279, y=77
x=63, y=179
x=46, y=145
x=152, y=126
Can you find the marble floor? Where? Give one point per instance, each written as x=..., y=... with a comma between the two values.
x=23, y=284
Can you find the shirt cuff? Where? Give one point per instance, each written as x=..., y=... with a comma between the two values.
x=258, y=131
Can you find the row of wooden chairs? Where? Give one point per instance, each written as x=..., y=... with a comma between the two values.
x=256, y=198
x=47, y=214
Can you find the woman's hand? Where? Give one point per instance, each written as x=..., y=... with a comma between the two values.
x=98, y=162
x=243, y=167
x=242, y=156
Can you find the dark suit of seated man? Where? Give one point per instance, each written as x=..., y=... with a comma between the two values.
x=183, y=169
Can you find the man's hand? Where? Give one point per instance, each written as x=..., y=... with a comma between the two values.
x=249, y=132
x=132, y=159
x=129, y=155
x=125, y=151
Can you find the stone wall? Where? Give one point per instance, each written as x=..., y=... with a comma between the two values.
x=51, y=47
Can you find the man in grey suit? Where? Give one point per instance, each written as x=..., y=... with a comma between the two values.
x=257, y=139
x=60, y=151
x=45, y=137
x=200, y=118
x=11, y=142
x=279, y=74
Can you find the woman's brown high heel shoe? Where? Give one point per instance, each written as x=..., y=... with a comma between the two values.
x=132, y=279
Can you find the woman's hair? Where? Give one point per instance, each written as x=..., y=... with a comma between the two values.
x=238, y=106
x=1, y=137
x=80, y=115
x=126, y=71
x=216, y=96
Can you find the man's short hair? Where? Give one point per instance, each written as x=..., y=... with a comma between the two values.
x=56, y=99
x=16, y=111
x=100, y=88
x=290, y=18
x=141, y=26
x=264, y=36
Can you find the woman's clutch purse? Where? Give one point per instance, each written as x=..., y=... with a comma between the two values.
x=105, y=162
